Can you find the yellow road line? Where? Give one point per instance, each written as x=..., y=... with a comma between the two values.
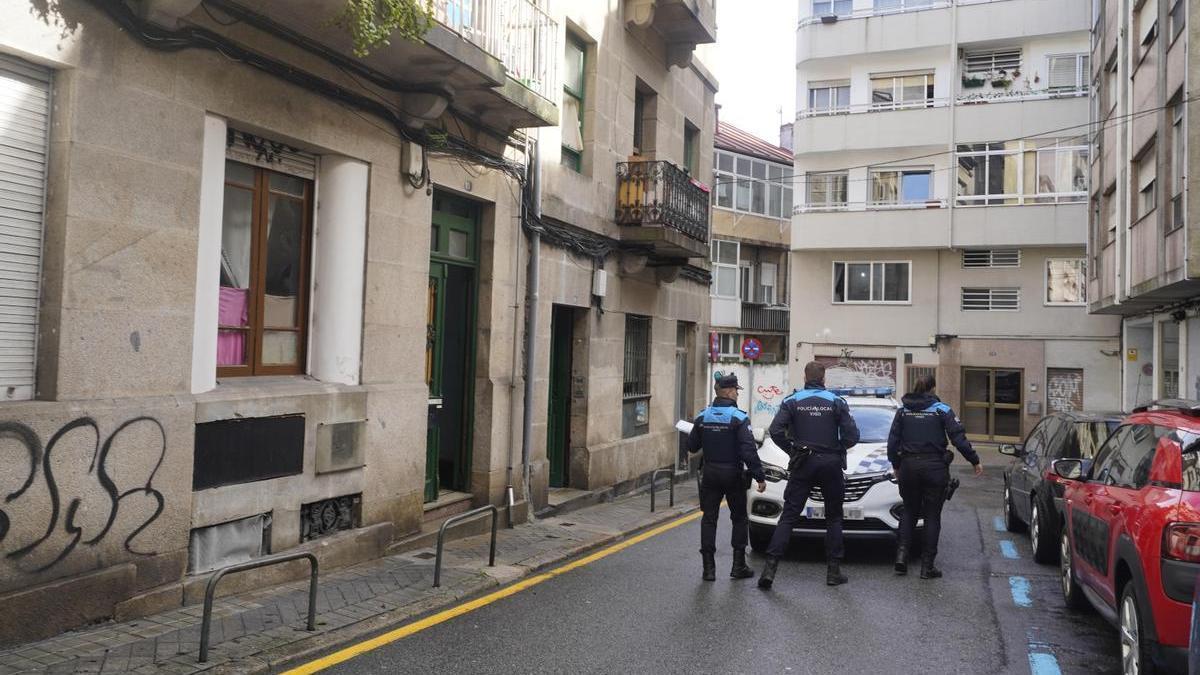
x=441, y=617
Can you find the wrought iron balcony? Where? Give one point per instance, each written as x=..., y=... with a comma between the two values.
x=764, y=319
x=659, y=195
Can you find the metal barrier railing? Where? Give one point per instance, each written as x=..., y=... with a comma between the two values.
x=437, y=565
x=206, y=621
x=670, y=481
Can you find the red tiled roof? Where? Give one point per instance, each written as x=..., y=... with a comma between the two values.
x=733, y=139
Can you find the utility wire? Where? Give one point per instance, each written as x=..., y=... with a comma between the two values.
x=1110, y=121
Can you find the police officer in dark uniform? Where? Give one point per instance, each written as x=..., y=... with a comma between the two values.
x=815, y=428
x=723, y=432
x=917, y=450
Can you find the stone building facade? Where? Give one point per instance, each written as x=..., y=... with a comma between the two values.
x=265, y=294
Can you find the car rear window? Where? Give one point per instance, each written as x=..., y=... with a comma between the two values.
x=1191, y=460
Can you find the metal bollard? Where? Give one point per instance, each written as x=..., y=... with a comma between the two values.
x=211, y=588
x=670, y=482
x=437, y=565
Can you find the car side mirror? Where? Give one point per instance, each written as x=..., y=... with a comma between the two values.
x=760, y=434
x=1012, y=450
x=1069, y=469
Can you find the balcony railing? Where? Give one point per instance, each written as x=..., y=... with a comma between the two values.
x=887, y=8
x=661, y=194
x=518, y=32
x=1008, y=95
x=765, y=319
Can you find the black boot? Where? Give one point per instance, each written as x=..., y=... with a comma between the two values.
x=901, y=566
x=928, y=571
x=740, y=570
x=833, y=574
x=768, y=574
x=710, y=567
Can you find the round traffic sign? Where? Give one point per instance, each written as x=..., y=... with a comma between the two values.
x=751, y=349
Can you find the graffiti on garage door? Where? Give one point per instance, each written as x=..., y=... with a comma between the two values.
x=1064, y=389
x=854, y=371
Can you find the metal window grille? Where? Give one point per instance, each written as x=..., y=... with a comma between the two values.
x=637, y=357
x=991, y=257
x=992, y=60
x=991, y=299
x=915, y=372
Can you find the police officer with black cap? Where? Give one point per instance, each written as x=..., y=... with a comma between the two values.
x=917, y=450
x=723, y=432
x=815, y=428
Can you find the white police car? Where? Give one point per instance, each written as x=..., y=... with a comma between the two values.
x=872, y=507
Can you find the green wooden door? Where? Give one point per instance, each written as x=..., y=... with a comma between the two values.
x=450, y=351
x=559, y=422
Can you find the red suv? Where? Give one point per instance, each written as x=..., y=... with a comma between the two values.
x=1132, y=542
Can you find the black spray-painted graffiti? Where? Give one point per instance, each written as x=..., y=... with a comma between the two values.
x=40, y=457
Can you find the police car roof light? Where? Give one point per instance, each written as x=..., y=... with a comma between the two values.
x=877, y=392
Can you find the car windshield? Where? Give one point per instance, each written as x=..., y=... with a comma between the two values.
x=874, y=422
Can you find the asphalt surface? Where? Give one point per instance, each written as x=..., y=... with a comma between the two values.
x=645, y=609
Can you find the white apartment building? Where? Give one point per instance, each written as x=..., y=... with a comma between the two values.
x=941, y=222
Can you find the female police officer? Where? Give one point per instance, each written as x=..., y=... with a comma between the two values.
x=917, y=450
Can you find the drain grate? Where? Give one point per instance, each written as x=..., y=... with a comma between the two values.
x=425, y=555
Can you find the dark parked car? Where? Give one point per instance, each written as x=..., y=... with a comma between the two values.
x=1033, y=493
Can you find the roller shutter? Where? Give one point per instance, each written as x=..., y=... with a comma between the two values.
x=24, y=124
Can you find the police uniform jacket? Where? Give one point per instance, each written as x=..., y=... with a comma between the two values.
x=723, y=432
x=922, y=426
x=815, y=418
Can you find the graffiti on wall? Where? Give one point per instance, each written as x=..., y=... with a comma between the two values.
x=853, y=371
x=45, y=483
x=1064, y=389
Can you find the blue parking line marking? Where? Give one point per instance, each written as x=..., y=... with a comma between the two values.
x=998, y=523
x=1008, y=549
x=1041, y=663
x=1020, y=591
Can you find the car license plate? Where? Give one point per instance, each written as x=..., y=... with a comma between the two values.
x=848, y=513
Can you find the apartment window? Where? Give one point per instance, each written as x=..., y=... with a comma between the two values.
x=729, y=345
x=871, y=282
x=1020, y=172
x=753, y=185
x=891, y=5
x=828, y=98
x=1109, y=208
x=691, y=150
x=645, y=119
x=24, y=121
x=725, y=268
x=1178, y=163
x=1146, y=19
x=834, y=7
x=826, y=190
x=572, y=112
x=991, y=299
x=746, y=281
x=767, y=276
x=1111, y=82
x=265, y=241
x=1177, y=18
x=900, y=186
x=1145, y=172
x=991, y=258
x=636, y=385
x=988, y=61
x=1068, y=72
x=901, y=91
x=1066, y=281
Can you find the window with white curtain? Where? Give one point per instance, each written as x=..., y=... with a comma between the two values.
x=828, y=98
x=902, y=91
x=1066, y=281
x=767, y=275
x=826, y=190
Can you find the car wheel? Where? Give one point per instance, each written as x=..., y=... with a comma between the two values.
x=1011, y=522
x=760, y=537
x=1135, y=652
x=1072, y=593
x=1041, y=534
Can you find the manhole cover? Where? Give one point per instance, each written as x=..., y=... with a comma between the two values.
x=425, y=555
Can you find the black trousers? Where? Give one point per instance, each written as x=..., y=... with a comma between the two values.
x=820, y=469
x=719, y=482
x=923, y=480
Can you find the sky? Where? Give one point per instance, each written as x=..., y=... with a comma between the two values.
x=755, y=64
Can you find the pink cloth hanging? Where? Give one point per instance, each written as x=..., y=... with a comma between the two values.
x=233, y=310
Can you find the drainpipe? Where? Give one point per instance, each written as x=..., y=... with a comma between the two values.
x=509, y=492
x=533, y=279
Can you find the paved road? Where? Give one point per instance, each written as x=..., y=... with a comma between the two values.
x=645, y=609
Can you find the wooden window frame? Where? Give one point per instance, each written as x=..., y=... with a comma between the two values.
x=260, y=210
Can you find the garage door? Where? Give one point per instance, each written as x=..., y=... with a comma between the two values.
x=24, y=123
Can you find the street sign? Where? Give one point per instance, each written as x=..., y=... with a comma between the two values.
x=751, y=349
x=714, y=346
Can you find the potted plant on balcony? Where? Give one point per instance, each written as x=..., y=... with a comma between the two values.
x=973, y=80
x=1001, y=80
x=372, y=23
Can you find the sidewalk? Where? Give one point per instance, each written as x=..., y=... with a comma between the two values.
x=264, y=631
